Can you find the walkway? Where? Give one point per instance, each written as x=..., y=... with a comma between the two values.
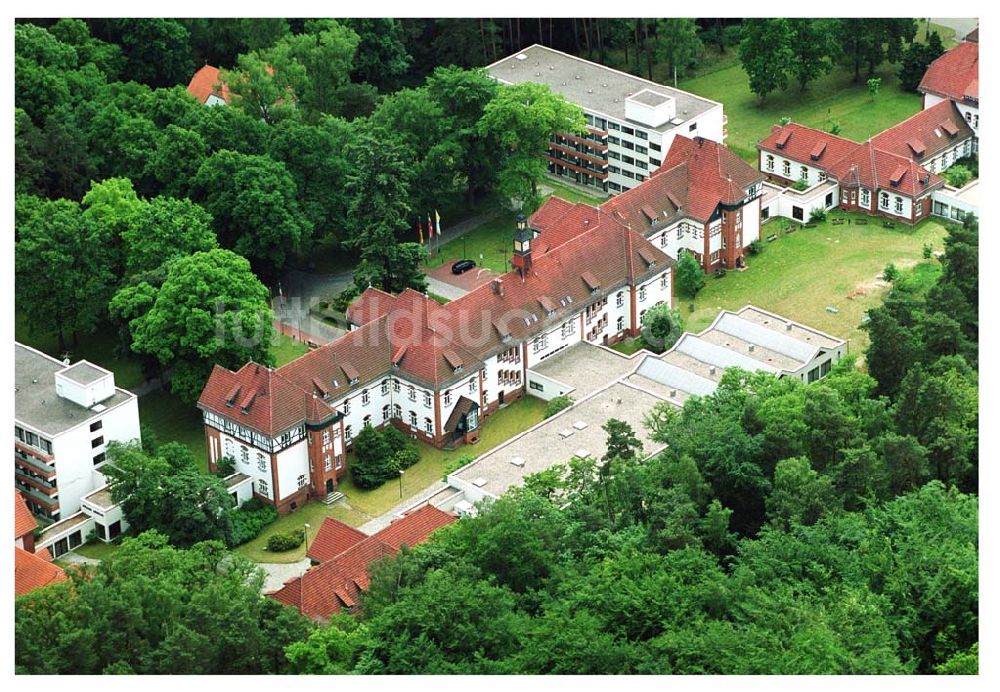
x=278, y=573
x=381, y=522
x=438, y=287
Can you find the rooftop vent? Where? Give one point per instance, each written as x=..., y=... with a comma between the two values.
x=605, y=85
x=521, y=56
x=518, y=462
x=590, y=91
x=788, y=326
x=565, y=433
x=580, y=425
x=750, y=348
x=673, y=393
x=711, y=370
x=552, y=67
x=97, y=408
x=576, y=77
x=479, y=482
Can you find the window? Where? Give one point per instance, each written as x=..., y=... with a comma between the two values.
x=97, y=441
x=614, y=169
x=614, y=155
x=367, y=421
x=866, y=197
x=472, y=385
x=365, y=397
x=627, y=130
x=348, y=433
x=395, y=386
x=641, y=149
x=326, y=437
x=642, y=164
x=428, y=426
x=340, y=462
x=628, y=159
x=824, y=367
x=227, y=447
x=427, y=399
x=99, y=459
x=614, y=186
x=918, y=208
x=804, y=173
x=413, y=419
x=899, y=204
x=45, y=445
x=628, y=145
x=654, y=146
x=600, y=123
x=327, y=463
x=613, y=126
x=786, y=168
x=397, y=411
x=620, y=298
x=568, y=327
x=385, y=412
x=301, y=480
x=829, y=199
x=613, y=140
x=447, y=397
x=536, y=386
x=245, y=454
x=263, y=489
x=628, y=174
x=261, y=462
x=664, y=280
x=412, y=393
x=797, y=213
x=883, y=200
x=539, y=343
x=31, y=438
x=641, y=134
x=814, y=374
x=385, y=387
x=769, y=162
x=642, y=294
x=692, y=127
x=96, y=425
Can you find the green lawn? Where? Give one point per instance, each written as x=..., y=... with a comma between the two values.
x=629, y=346
x=172, y=420
x=98, y=550
x=313, y=514
x=571, y=194
x=800, y=274
x=497, y=429
x=286, y=349
x=98, y=348
x=490, y=241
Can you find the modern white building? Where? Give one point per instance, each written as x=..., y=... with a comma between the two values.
x=631, y=122
x=64, y=417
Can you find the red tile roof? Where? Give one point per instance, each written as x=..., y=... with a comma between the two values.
x=695, y=177
x=927, y=130
x=370, y=305
x=954, y=75
x=32, y=572
x=337, y=583
x=24, y=520
x=414, y=333
x=802, y=143
x=873, y=168
x=204, y=82
x=333, y=538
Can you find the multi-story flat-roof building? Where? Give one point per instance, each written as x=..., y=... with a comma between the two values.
x=631, y=122
x=64, y=417
x=434, y=371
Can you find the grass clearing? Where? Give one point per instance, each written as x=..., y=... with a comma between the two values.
x=172, y=420
x=98, y=550
x=630, y=346
x=571, y=194
x=98, y=348
x=497, y=429
x=313, y=513
x=489, y=245
x=802, y=273
x=833, y=98
x=285, y=349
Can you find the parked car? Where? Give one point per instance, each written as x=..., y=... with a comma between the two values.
x=462, y=266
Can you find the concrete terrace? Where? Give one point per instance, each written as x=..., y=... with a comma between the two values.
x=585, y=368
x=576, y=431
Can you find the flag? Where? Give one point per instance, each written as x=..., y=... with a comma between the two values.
x=430, y=227
x=420, y=230
x=437, y=217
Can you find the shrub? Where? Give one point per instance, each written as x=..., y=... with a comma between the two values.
x=690, y=276
x=379, y=455
x=282, y=542
x=957, y=176
x=456, y=464
x=928, y=251
x=344, y=298
x=250, y=520
x=817, y=215
x=800, y=185
x=834, y=127
x=558, y=404
x=784, y=120
x=226, y=466
x=890, y=273
x=755, y=247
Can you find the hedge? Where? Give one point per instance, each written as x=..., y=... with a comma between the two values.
x=281, y=542
x=250, y=520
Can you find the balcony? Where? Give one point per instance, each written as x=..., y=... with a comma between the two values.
x=33, y=451
x=30, y=462
x=589, y=143
x=584, y=157
x=600, y=175
x=51, y=503
x=39, y=483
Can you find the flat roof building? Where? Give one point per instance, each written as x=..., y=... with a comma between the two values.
x=631, y=121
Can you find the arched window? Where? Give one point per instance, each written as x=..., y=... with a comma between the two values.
x=428, y=426
x=367, y=421
x=385, y=412
x=883, y=200
x=385, y=387
x=770, y=162
x=397, y=411
x=365, y=397
x=413, y=419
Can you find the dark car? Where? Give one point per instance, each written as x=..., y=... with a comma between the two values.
x=462, y=266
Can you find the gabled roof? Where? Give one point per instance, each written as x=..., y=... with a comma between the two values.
x=370, y=305
x=333, y=538
x=337, y=582
x=873, y=168
x=954, y=75
x=927, y=130
x=32, y=572
x=24, y=520
x=807, y=145
x=695, y=177
x=203, y=84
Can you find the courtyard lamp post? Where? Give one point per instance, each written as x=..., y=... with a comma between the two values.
x=401, y=484
x=305, y=528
